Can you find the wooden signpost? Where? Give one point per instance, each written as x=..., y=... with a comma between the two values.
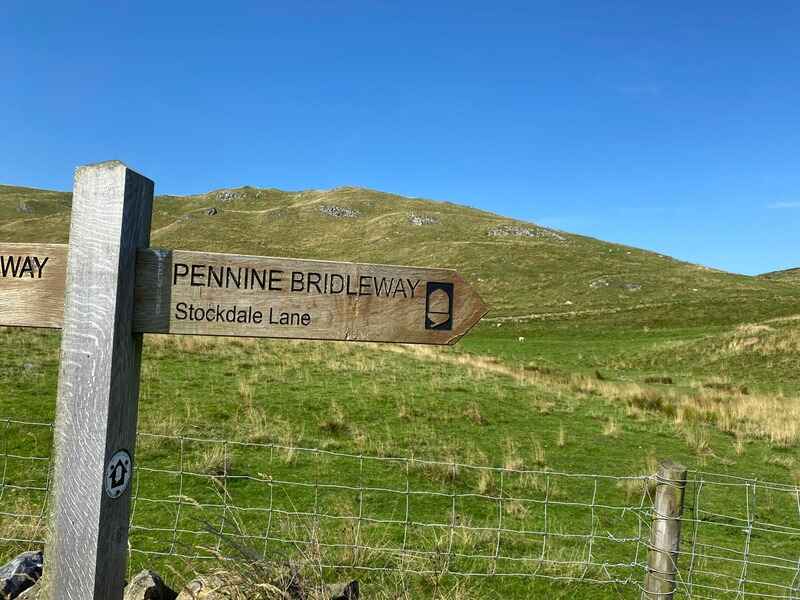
x=202, y=293
x=107, y=288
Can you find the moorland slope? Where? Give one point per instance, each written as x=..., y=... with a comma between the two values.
x=520, y=268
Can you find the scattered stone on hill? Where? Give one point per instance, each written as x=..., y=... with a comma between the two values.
x=605, y=282
x=211, y=211
x=420, y=220
x=228, y=196
x=532, y=232
x=147, y=585
x=227, y=586
x=20, y=574
x=342, y=591
x=218, y=586
x=23, y=207
x=339, y=212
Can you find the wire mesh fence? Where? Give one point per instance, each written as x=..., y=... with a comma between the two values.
x=204, y=500
x=749, y=550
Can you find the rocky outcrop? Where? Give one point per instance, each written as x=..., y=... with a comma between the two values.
x=347, y=591
x=147, y=585
x=420, y=220
x=20, y=580
x=228, y=195
x=531, y=232
x=212, y=587
x=339, y=212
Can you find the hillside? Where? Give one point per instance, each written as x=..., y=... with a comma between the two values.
x=597, y=358
x=788, y=275
x=520, y=268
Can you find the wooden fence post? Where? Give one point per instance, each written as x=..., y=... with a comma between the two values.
x=98, y=386
x=665, y=535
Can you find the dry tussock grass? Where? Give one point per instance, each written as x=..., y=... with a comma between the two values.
x=335, y=422
x=718, y=402
x=212, y=459
x=513, y=460
x=611, y=428
x=487, y=484
x=473, y=412
x=644, y=483
x=731, y=408
x=167, y=425
x=771, y=417
x=446, y=471
x=561, y=441
x=787, y=462
x=761, y=339
x=21, y=520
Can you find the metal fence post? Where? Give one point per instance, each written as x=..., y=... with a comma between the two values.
x=665, y=534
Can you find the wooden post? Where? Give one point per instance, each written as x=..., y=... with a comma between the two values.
x=665, y=535
x=98, y=387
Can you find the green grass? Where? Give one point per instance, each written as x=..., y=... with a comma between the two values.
x=790, y=275
x=696, y=365
x=525, y=405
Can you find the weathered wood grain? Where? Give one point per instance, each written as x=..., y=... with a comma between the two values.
x=98, y=383
x=223, y=294
x=665, y=534
x=32, y=280
x=351, y=301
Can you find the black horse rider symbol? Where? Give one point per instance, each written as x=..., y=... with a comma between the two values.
x=439, y=306
x=118, y=473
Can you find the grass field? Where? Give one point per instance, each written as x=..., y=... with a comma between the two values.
x=576, y=370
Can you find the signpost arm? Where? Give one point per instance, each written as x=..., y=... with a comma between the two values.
x=98, y=388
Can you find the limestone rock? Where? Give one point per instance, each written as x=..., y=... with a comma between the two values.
x=420, y=220
x=147, y=585
x=209, y=587
x=339, y=212
x=531, y=232
x=347, y=591
x=228, y=195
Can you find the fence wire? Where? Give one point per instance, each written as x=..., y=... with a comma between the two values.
x=202, y=499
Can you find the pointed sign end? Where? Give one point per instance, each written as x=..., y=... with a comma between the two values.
x=472, y=309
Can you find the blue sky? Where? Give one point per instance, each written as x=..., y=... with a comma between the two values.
x=671, y=126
